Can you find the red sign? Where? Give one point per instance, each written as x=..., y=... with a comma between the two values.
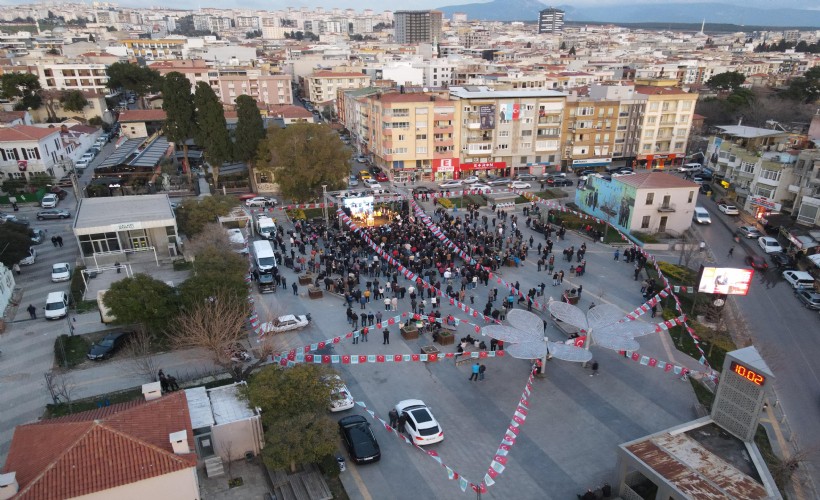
x=516, y=111
x=445, y=165
x=22, y=165
x=486, y=165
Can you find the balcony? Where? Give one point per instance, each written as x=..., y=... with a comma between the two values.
x=444, y=129
x=480, y=148
x=443, y=116
x=445, y=141
x=474, y=125
x=442, y=154
x=666, y=207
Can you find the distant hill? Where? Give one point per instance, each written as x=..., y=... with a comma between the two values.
x=713, y=12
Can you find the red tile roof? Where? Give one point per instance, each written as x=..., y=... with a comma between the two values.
x=290, y=112
x=25, y=133
x=142, y=115
x=99, y=449
x=335, y=74
x=653, y=180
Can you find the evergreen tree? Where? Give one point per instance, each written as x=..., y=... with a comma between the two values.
x=211, y=129
x=178, y=103
x=572, y=50
x=249, y=129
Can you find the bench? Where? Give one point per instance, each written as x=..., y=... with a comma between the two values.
x=565, y=328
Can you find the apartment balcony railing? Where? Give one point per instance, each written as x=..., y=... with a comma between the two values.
x=666, y=207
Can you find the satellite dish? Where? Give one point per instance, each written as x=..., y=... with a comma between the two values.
x=425, y=89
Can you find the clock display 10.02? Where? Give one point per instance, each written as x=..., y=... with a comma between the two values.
x=750, y=375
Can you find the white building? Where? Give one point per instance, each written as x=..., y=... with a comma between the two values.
x=73, y=76
x=27, y=151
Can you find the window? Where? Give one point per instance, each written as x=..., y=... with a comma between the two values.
x=421, y=137
x=421, y=111
x=99, y=243
x=766, y=192
x=772, y=175
x=503, y=146
x=526, y=133
x=421, y=149
x=650, y=198
x=10, y=154
x=678, y=145
x=653, y=106
x=505, y=133
x=523, y=159
x=691, y=196
x=401, y=137
x=747, y=167
x=645, y=221
x=525, y=145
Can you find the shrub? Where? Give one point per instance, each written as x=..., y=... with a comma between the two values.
x=445, y=202
x=678, y=275
x=645, y=237
x=70, y=351
x=296, y=214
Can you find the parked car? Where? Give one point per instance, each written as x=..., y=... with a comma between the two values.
x=364, y=175
x=266, y=283
x=30, y=258
x=60, y=272
x=352, y=181
x=340, y=398
x=53, y=213
x=422, y=190
x=372, y=184
x=60, y=192
x=705, y=188
x=757, y=262
x=81, y=165
x=769, y=244
x=361, y=159
x=260, y=201
x=374, y=170
x=382, y=177
x=525, y=177
x=109, y=345
x=49, y=201
x=37, y=236
x=799, y=280
x=359, y=440
x=584, y=172
x=450, y=184
x=690, y=167
x=728, y=209
x=420, y=425
x=809, y=298
x=470, y=180
x=520, y=185
x=558, y=181
x=481, y=188
x=285, y=323
x=782, y=259
x=56, y=305
x=749, y=232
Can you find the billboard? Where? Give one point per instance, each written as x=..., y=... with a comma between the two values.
x=486, y=114
x=725, y=280
x=359, y=206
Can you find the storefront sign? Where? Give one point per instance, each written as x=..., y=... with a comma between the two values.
x=767, y=203
x=486, y=165
x=127, y=226
x=592, y=162
x=445, y=165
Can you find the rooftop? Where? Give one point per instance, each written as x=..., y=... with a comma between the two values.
x=651, y=90
x=483, y=92
x=19, y=133
x=654, y=180
x=142, y=115
x=105, y=212
x=745, y=132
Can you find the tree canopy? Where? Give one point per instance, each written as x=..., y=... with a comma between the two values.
x=806, y=88
x=730, y=80
x=21, y=86
x=249, y=128
x=294, y=405
x=178, y=104
x=302, y=157
x=73, y=100
x=193, y=214
x=216, y=273
x=16, y=240
x=211, y=129
x=142, y=299
x=138, y=79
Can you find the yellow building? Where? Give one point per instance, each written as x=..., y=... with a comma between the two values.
x=667, y=121
x=589, y=132
x=321, y=86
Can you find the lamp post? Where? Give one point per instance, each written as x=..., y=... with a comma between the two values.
x=324, y=203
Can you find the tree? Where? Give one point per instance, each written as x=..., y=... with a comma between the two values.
x=178, y=104
x=302, y=157
x=211, y=129
x=73, y=100
x=730, y=80
x=216, y=272
x=572, y=50
x=142, y=299
x=194, y=213
x=21, y=86
x=294, y=413
x=140, y=351
x=249, y=129
x=16, y=240
x=139, y=79
x=805, y=88
x=563, y=46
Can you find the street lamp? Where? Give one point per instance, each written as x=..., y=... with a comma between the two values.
x=324, y=203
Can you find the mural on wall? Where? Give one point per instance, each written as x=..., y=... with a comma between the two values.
x=608, y=200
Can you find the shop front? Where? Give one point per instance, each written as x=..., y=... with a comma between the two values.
x=762, y=207
x=483, y=169
x=659, y=161
x=591, y=163
x=409, y=171
x=539, y=168
x=445, y=169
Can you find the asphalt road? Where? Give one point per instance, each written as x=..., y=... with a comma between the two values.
x=785, y=333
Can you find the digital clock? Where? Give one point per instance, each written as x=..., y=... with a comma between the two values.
x=750, y=375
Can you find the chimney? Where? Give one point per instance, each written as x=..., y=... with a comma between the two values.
x=152, y=391
x=8, y=485
x=179, y=442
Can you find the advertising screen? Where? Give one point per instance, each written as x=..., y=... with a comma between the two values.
x=362, y=205
x=725, y=280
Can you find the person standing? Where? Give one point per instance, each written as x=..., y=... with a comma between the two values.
x=474, y=375
x=594, y=369
x=355, y=337
x=284, y=282
x=60, y=241
x=378, y=317
x=163, y=381
x=481, y=370
x=654, y=310
x=617, y=253
x=731, y=250
x=16, y=269
x=32, y=311
x=394, y=418
x=394, y=304
x=386, y=337
x=387, y=303
x=54, y=241
x=296, y=289
x=402, y=421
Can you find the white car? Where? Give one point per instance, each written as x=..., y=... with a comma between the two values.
x=520, y=185
x=340, y=398
x=450, y=184
x=60, y=272
x=81, y=164
x=285, y=323
x=470, y=180
x=30, y=258
x=260, y=201
x=420, y=425
x=372, y=184
x=49, y=201
x=769, y=244
x=728, y=209
x=56, y=305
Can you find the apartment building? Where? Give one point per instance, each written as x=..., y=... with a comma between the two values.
x=588, y=131
x=321, y=86
x=165, y=48
x=417, y=26
x=508, y=132
x=805, y=188
x=412, y=136
x=630, y=116
x=666, y=124
x=73, y=76
x=27, y=151
x=551, y=21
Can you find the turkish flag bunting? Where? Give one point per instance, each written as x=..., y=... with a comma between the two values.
x=380, y=358
x=397, y=358
x=309, y=358
x=346, y=359
x=362, y=359
x=326, y=359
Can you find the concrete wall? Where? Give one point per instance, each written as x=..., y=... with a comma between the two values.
x=240, y=436
x=677, y=221
x=181, y=484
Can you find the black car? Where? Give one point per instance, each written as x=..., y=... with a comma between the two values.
x=266, y=283
x=756, y=262
x=586, y=171
x=422, y=190
x=375, y=170
x=782, y=260
x=498, y=181
x=558, y=182
x=705, y=188
x=359, y=440
x=110, y=344
x=525, y=177
x=53, y=213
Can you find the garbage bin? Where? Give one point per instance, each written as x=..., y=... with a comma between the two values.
x=342, y=464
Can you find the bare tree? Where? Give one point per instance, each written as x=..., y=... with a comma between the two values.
x=212, y=236
x=141, y=355
x=689, y=249
x=61, y=388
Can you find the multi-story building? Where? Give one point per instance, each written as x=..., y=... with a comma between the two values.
x=806, y=188
x=27, y=151
x=248, y=22
x=165, y=48
x=667, y=121
x=588, y=131
x=551, y=21
x=321, y=86
x=73, y=76
x=413, y=136
x=508, y=132
x=473, y=36
x=630, y=116
x=417, y=26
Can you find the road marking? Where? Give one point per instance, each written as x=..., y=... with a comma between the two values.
x=359, y=483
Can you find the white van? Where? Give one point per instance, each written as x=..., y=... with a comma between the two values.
x=56, y=305
x=701, y=216
x=800, y=280
x=263, y=256
x=690, y=167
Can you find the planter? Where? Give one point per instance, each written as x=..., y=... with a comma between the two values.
x=429, y=349
x=306, y=279
x=235, y=482
x=446, y=338
x=315, y=293
x=409, y=332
